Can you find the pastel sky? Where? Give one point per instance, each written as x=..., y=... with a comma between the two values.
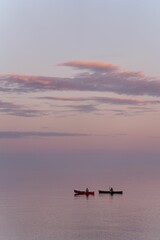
x=79, y=77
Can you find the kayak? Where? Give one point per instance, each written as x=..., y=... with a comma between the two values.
x=110, y=192
x=77, y=192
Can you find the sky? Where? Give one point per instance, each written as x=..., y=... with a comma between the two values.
x=80, y=79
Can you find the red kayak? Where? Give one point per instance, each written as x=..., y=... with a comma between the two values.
x=77, y=192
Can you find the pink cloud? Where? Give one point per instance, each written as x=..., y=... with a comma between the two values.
x=104, y=77
x=28, y=79
x=91, y=65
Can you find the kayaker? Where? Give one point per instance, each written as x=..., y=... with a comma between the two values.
x=87, y=190
x=111, y=189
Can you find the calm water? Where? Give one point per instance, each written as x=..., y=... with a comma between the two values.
x=37, y=202
x=57, y=214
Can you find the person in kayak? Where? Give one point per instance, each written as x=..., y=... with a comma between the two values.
x=111, y=189
x=87, y=190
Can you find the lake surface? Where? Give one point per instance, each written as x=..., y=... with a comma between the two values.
x=37, y=200
x=45, y=214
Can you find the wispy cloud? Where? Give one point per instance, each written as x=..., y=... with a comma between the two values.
x=99, y=77
x=43, y=134
x=16, y=134
x=105, y=100
x=19, y=110
x=83, y=108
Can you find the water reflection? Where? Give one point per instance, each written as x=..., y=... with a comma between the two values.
x=87, y=196
x=38, y=214
x=110, y=196
x=41, y=207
